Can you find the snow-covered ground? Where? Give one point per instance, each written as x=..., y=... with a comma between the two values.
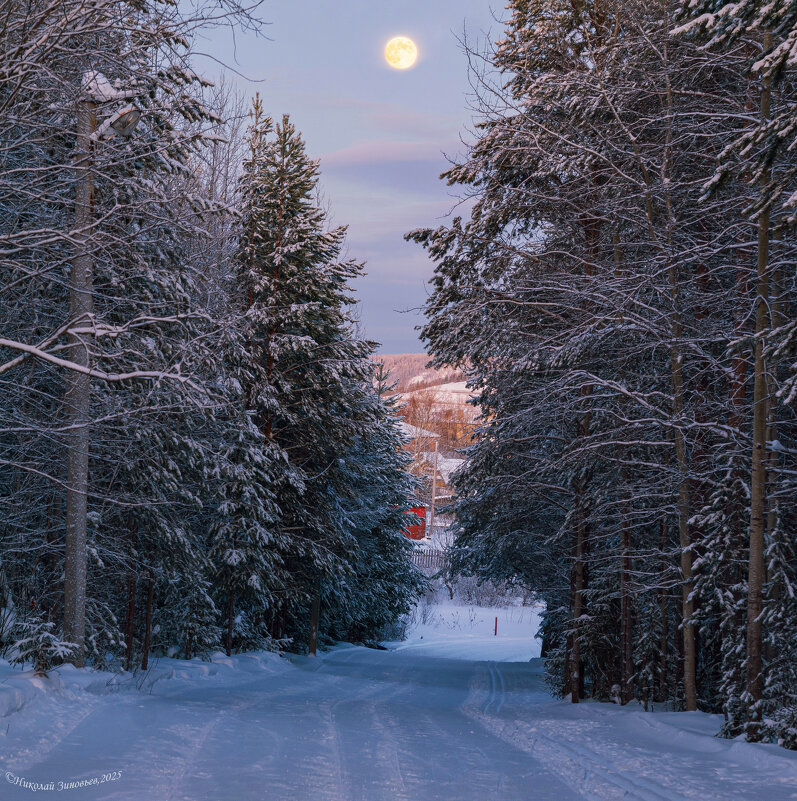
x=462, y=631
x=445, y=715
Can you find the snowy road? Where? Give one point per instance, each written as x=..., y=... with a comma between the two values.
x=358, y=724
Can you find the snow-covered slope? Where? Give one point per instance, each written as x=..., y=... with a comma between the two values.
x=411, y=372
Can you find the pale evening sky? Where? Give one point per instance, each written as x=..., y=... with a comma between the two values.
x=380, y=133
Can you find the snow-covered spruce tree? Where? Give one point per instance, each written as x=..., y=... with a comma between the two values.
x=243, y=553
x=308, y=388
x=99, y=219
x=248, y=549
x=149, y=543
x=383, y=582
x=224, y=450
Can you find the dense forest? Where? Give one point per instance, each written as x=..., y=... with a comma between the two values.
x=623, y=299
x=196, y=449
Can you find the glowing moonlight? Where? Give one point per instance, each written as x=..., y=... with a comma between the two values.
x=401, y=53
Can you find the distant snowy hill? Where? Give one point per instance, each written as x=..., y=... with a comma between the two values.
x=411, y=371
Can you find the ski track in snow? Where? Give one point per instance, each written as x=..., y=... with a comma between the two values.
x=363, y=725
x=605, y=762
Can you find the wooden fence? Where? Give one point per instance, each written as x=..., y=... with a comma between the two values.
x=430, y=560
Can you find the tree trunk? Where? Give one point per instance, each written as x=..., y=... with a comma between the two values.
x=230, y=619
x=626, y=626
x=758, y=482
x=188, y=651
x=777, y=319
x=130, y=620
x=687, y=605
x=626, y=623
x=568, y=666
x=77, y=397
x=148, y=622
x=737, y=412
x=315, y=613
x=664, y=645
x=683, y=502
x=576, y=680
x=591, y=236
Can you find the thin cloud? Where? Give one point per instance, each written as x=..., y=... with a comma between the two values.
x=383, y=151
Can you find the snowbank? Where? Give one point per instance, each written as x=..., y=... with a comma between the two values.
x=603, y=751
x=18, y=688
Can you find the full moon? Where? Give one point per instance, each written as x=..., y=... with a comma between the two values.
x=401, y=53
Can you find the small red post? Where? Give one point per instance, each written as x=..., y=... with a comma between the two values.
x=496, y=627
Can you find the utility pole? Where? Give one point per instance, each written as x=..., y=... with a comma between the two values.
x=95, y=89
x=434, y=493
x=77, y=398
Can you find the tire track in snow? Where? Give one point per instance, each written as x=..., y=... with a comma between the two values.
x=212, y=740
x=371, y=704
x=501, y=688
x=412, y=739
x=485, y=707
x=340, y=771
x=387, y=749
x=497, y=692
x=321, y=774
x=197, y=743
x=431, y=741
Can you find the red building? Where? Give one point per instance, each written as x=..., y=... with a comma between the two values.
x=417, y=531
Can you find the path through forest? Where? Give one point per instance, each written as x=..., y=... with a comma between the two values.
x=364, y=725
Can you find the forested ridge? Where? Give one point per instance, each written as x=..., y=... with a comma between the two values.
x=196, y=450
x=410, y=371
x=622, y=297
